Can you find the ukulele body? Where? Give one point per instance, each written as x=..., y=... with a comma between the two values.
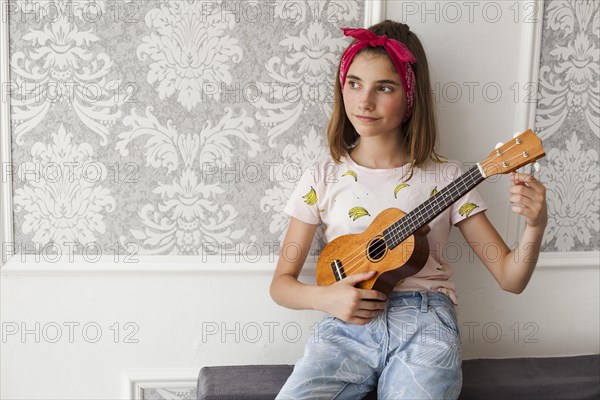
x=354, y=253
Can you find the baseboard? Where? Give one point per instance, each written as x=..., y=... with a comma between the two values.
x=170, y=384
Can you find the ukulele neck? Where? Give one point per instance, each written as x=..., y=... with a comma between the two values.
x=435, y=205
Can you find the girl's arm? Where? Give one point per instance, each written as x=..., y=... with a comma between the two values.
x=286, y=290
x=341, y=299
x=511, y=269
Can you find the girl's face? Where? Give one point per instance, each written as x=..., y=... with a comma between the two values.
x=373, y=96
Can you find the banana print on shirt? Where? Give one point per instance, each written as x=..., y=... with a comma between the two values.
x=467, y=208
x=398, y=188
x=357, y=212
x=311, y=197
x=351, y=173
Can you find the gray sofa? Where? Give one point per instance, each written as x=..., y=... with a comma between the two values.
x=572, y=378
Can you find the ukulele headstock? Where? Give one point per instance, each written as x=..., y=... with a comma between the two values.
x=512, y=155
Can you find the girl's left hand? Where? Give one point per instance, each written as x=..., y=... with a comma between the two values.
x=531, y=194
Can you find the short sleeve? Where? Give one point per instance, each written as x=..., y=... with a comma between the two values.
x=468, y=205
x=303, y=203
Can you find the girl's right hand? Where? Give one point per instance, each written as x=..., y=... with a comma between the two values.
x=351, y=304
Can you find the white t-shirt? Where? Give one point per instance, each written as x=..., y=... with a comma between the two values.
x=345, y=198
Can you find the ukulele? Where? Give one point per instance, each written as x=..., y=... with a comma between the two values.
x=390, y=245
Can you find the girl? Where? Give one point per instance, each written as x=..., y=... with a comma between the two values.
x=381, y=137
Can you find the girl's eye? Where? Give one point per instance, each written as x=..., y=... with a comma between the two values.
x=386, y=89
x=353, y=84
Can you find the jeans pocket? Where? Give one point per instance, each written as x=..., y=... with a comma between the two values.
x=446, y=316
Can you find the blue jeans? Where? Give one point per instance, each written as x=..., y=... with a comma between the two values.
x=410, y=351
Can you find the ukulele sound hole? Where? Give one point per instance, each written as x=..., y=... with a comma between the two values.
x=376, y=249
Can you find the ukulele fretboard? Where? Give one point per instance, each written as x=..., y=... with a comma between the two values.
x=432, y=207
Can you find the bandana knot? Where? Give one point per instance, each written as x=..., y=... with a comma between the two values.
x=380, y=41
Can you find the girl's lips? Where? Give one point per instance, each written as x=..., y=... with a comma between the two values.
x=366, y=119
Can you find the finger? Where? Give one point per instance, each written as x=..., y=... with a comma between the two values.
x=533, y=190
x=528, y=179
x=523, y=200
x=523, y=190
x=368, y=314
x=526, y=212
x=372, y=295
x=537, y=196
x=529, y=200
x=523, y=211
x=359, y=277
x=371, y=305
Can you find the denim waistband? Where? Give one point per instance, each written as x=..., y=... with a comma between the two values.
x=421, y=299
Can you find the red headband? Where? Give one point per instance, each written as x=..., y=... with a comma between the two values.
x=400, y=55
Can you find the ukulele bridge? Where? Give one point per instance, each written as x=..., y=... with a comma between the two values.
x=338, y=270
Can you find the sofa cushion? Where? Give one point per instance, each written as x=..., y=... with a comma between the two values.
x=572, y=378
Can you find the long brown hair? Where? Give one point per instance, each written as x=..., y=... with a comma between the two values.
x=419, y=133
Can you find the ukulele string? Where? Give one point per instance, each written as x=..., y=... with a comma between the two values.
x=351, y=263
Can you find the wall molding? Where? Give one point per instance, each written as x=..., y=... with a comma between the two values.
x=135, y=381
x=531, y=48
x=6, y=200
x=173, y=265
x=35, y=264
x=572, y=259
x=374, y=12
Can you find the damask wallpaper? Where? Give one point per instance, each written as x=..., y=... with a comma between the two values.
x=181, y=127
x=168, y=127
x=568, y=121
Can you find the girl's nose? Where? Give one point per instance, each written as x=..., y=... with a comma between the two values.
x=366, y=100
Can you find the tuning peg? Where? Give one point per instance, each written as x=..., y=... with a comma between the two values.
x=536, y=167
x=517, y=133
x=498, y=145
